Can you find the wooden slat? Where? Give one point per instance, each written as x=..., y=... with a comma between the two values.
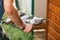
x=50, y=37
x=53, y=17
x=40, y=26
x=53, y=33
x=54, y=20
x=55, y=2
x=54, y=9
x=54, y=26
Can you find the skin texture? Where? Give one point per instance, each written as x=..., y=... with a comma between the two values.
x=12, y=13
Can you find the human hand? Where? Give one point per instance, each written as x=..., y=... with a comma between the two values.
x=28, y=28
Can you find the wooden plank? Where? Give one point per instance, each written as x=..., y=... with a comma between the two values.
x=54, y=9
x=50, y=37
x=54, y=26
x=40, y=26
x=53, y=17
x=55, y=2
x=53, y=33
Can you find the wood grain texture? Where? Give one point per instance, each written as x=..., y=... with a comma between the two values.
x=53, y=33
x=50, y=37
x=55, y=2
x=53, y=17
x=54, y=9
x=54, y=26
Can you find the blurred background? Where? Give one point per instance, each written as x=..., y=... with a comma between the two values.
x=31, y=7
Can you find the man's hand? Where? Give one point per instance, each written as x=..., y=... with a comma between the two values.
x=28, y=28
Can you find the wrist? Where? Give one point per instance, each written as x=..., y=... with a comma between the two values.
x=22, y=27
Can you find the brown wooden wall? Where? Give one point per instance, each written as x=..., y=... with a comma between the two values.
x=53, y=16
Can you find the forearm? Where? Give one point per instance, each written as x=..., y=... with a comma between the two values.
x=14, y=17
x=12, y=13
